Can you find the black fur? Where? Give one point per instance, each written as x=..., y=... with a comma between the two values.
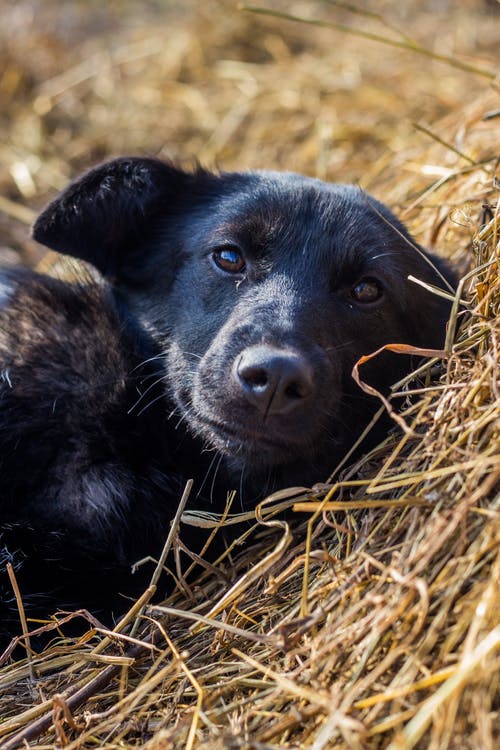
x=113, y=392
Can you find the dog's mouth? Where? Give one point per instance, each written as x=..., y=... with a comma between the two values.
x=232, y=436
x=244, y=444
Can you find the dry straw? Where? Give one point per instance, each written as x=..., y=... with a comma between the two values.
x=370, y=618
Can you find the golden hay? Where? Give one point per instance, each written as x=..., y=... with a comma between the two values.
x=372, y=618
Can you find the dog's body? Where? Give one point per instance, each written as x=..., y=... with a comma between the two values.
x=218, y=342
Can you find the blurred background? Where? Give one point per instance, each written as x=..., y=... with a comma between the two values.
x=84, y=80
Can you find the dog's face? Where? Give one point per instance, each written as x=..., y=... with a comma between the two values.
x=262, y=291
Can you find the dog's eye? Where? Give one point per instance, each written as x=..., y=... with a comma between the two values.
x=229, y=259
x=366, y=291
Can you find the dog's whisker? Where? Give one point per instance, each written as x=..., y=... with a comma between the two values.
x=150, y=404
x=207, y=473
x=213, y=484
x=192, y=354
x=339, y=347
x=155, y=357
x=183, y=417
x=143, y=395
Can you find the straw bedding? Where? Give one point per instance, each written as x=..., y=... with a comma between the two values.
x=370, y=617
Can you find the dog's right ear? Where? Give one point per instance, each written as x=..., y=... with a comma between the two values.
x=104, y=215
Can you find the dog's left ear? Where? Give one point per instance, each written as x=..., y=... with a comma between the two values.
x=105, y=214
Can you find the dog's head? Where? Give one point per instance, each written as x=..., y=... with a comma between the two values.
x=262, y=290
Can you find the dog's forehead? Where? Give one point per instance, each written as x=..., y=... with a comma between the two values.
x=274, y=205
x=275, y=196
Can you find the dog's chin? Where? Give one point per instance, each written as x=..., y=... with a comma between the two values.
x=254, y=451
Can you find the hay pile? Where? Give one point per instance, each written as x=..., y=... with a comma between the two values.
x=373, y=619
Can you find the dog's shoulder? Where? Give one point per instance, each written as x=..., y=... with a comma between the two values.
x=68, y=380
x=47, y=325
x=61, y=357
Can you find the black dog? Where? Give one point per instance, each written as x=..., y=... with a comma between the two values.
x=217, y=340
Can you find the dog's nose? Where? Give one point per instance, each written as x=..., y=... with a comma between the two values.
x=275, y=380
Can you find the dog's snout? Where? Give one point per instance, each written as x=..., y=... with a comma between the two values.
x=274, y=380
